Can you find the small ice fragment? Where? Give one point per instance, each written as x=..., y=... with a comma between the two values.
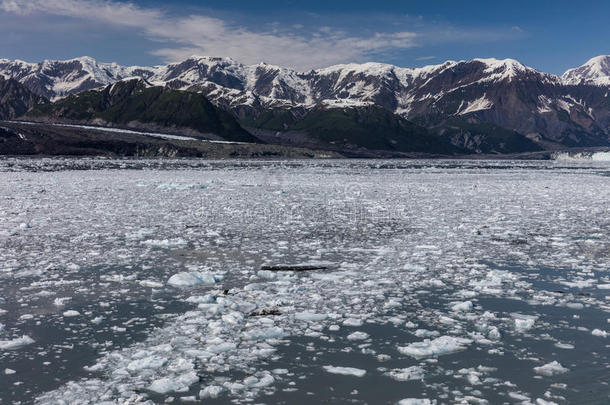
x=211, y=391
x=179, y=383
x=16, y=343
x=59, y=302
x=599, y=332
x=523, y=322
x=358, y=336
x=309, y=316
x=352, y=322
x=71, y=313
x=356, y=372
x=407, y=374
x=97, y=320
x=425, y=333
x=540, y=401
x=551, y=369
x=265, y=333
x=436, y=347
x=9, y=371
x=151, y=284
x=189, y=279
x=416, y=401
x=462, y=306
x=24, y=225
x=151, y=362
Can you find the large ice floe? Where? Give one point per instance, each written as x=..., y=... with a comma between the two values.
x=367, y=282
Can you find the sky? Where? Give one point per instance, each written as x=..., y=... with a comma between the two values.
x=551, y=36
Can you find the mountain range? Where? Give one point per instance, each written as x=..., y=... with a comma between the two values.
x=476, y=106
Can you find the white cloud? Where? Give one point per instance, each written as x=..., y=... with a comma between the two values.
x=182, y=36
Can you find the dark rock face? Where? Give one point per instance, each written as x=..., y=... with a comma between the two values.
x=16, y=99
x=137, y=104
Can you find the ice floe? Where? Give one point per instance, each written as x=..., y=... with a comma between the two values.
x=16, y=343
x=551, y=369
x=437, y=347
x=356, y=372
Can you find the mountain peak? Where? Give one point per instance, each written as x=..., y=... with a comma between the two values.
x=595, y=71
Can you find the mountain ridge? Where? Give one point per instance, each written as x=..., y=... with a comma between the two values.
x=472, y=96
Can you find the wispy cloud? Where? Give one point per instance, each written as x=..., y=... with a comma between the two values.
x=182, y=36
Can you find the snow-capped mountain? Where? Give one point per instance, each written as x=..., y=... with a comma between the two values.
x=596, y=71
x=572, y=109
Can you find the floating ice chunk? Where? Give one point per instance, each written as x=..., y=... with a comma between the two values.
x=71, y=313
x=437, y=347
x=494, y=333
x=358, y=336
x=551, y=369
x=222, y=347
x=150, y=362
x=463, y=306
x=540, y=401
x=309, y=316
x=356, y=372
x=180, y=383
x=97, y=320
x=523, y=322
x=352, y=322
x=267, y=274
x=575, y=305
x=599, y=332
x=59, y=302
x=211, y=391
x=425, y=333
x=201, y=299
x=416, y=401
x=564, y=345
x=16, y=343
x=265, y=333
x=407, y=374
x=139, y=234
x=262, y=382
x=580, y=283
x=151, y=284
x=9, y=371
x=165, y=243
x=334, y=328
x=519, y=397
x=73, y=267
x=603, y=286
x=24, y=225
x=189, y=279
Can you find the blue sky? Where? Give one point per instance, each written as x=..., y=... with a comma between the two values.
x=548, y=35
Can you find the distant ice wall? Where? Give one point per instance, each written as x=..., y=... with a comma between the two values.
x=589, y=156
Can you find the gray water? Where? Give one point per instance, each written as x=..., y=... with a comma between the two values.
x=456, y=252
